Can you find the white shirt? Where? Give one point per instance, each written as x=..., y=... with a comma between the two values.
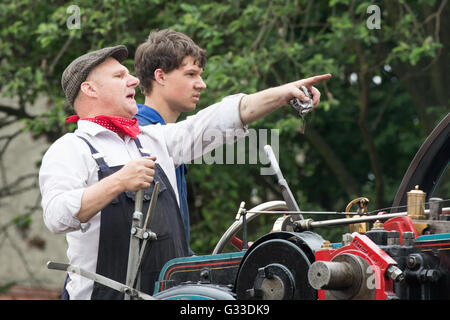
x=68, y=168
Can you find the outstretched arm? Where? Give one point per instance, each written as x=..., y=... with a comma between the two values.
x=225, y=121
x=258, y=105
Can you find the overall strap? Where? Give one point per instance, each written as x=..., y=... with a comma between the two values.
x=143, y=151
x=98, y=157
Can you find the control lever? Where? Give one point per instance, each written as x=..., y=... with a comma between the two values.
x=285, y=190
x=140, y=231
x=147, y=234
x=133, y=254
x=100, y=279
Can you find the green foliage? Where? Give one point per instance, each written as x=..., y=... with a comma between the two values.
x=4, y=288
x=253, y=45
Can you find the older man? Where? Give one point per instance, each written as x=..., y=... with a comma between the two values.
x=88, y=178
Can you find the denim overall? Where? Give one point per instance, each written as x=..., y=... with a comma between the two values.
x=115, y=227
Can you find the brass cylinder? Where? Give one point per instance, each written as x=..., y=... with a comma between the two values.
x=416, y=204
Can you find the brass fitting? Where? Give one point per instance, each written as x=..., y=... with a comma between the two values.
x=362, y=208
x=377, y=225
x=326, y=244
x=416, y=204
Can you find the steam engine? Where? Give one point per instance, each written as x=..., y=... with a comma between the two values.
x=388, y=261
x=388, y=256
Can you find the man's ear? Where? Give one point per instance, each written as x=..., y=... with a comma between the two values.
x=159, y=75
x=89, y=89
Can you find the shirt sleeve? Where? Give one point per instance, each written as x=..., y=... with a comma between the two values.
x=63, y=177
x=211, y=127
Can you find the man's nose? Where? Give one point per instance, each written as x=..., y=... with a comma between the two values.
x=200, y=84
x=133, y=81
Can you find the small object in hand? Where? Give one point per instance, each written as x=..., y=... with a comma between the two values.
x=300, y=106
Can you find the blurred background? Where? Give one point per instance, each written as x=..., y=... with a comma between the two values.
x=390, y=64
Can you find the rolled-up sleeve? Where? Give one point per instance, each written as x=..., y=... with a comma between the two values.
x=211, y=127
x=62, y=180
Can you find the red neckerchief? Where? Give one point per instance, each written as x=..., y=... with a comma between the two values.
x=126, y=126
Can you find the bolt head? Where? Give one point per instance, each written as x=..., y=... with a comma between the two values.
x=413, y=261
x=433, y=275
x=395, y=273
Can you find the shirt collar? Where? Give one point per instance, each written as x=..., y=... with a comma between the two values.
x=94, y=129
x=149, y=114
x=90, y=127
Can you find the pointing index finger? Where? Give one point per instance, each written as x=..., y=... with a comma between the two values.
x=308, y=82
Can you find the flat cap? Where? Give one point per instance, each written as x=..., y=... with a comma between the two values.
x=78, y=70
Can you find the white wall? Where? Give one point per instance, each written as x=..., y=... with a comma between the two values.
x=20, y=260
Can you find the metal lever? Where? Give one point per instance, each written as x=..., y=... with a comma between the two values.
x=147, y=234
x=151, y=207
x=133, y=254
x=242, y=213
x=100, y=279
x=285, y=190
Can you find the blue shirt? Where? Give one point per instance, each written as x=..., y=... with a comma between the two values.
x=145, y=116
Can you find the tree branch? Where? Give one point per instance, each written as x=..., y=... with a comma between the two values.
x=345, y=179
x=364, y=103
x=18, y=113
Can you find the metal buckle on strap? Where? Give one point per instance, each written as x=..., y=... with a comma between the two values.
x=97, y=155
x=143, y=150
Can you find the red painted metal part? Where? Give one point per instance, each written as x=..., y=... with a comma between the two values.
x=379, y=260
x=236, y=242
x=400, y=224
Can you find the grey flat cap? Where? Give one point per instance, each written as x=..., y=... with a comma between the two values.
x=77, y=72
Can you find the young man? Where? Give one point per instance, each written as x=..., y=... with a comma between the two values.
x=169, y=66
x=88, y=178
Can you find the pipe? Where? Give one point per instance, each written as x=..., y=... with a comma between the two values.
x=309, y=224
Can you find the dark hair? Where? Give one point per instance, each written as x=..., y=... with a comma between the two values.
x=164, y=49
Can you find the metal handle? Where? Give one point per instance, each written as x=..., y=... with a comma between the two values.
x=152, y=206
x=285, y=190
x=57, y=266
x=273, y=161
x=138, y=200
x=133, y=254
x=129, y=291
